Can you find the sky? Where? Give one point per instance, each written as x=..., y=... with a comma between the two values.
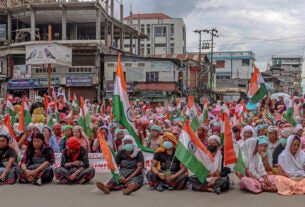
x=266, y=27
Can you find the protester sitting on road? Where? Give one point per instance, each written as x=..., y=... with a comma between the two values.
x=9, y=169
x=50, y=138
x=264, y=152
x=273, y=136
x=131, y=162
x=57, y=132
x=292, y=168
x=74, y=167
x=79, y=133
x=153, y=140
x=217, y=180
x=171, y=174
x=68, y=133
x=37, y=161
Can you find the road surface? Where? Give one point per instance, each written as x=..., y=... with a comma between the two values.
x=52, y=195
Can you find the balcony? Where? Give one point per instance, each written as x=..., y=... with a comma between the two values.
x=17, y=3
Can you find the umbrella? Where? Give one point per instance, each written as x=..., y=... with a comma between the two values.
x=277, y=95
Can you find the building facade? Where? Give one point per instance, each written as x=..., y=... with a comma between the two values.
x=288, y=70
x=166, y=35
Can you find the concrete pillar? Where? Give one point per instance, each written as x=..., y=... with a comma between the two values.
x=122, y=40
x=112, y=7
x=9, y=3
x=131, y=43
x=99, y=76
x=107, y=6
x=64, y=24
x=139, y=46
x=98, y=25
x=106, y=34
x=121, y=11
x=111, y=33
x=33, y=25
x=9, y=27
x=75, y=30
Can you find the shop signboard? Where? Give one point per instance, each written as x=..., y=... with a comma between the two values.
x=75, y=81
x=20, y=83
x=43, y=82
x=110, y=86
x=22, y=72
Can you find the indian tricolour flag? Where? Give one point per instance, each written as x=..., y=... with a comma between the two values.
x=84, y=119
x=25, y=116
x=192, y=153
x=191, y=113
x=11, y=111
x=109, y=157
x=257, y=87
x=205, y=115
x=289, y=113
x=121, y=110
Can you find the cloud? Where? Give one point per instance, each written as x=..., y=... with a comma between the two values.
x=242, y=24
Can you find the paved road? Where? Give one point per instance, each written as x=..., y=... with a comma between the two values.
x=87, y=195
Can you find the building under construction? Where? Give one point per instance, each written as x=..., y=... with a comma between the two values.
x=86, y=26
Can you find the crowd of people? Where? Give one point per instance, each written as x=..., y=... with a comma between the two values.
x=271, y=145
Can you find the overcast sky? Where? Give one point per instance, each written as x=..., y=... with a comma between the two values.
x=242, y=24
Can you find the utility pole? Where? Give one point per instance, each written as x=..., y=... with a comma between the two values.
x=49, y=65
x=199, y=31
x=213, y=33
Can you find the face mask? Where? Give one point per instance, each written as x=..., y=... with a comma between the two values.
x=212, y=148
x=283, y=141
x=167, y=145
x=128, y=147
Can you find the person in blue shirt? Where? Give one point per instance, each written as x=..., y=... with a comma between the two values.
x=50, y=138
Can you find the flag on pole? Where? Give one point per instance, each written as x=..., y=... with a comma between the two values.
x=25, y=116
x=289, y=113
x=84, y=119
x=57, y=117
x=46, y=102
x=229, y=152
x=109, y=157
x=205, y=115
x=192, y=153
x=7, y=129
x=191, y=114
x=240, y=164
x=11, y=111
x=121, y=110
x=257, y=87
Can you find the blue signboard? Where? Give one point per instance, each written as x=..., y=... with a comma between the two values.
x=43, y=82
x=20, y=84
x=78, y=81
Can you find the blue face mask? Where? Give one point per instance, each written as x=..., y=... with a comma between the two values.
x=283, y=141
x=128, y=147
x=167, y=145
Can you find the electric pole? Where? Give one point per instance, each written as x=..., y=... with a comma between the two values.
x=199, y=31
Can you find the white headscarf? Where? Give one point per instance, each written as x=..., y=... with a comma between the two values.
x=252, y=161
x=292, y=165
x=245, y=129
x=216, y=164
x=136, y=150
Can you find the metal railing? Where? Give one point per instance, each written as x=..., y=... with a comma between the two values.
x=13, y=3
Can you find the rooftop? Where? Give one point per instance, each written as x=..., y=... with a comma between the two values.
x=148, y=16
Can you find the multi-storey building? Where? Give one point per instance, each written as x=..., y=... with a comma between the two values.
x=166, y=35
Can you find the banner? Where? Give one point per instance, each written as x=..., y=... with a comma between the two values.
x=43, y=82
x=20, y=84
x=48, y=53
x=78, y=81
x=22, y=72
x=98, y=162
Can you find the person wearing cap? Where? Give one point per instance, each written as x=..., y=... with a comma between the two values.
x=263, y=150
x=171, y=174
x=218, y=177
x=74, y=167
x=153, y=141
x=37, y=161
x=9, y=169
x=131, y=163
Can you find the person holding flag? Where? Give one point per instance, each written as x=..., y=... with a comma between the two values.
x=131, y=163
x=172, y=174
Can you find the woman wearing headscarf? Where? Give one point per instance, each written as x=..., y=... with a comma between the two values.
x=256, y=180
x=68, y=133
x=303, y=143
x=292, y=168
x=202, y=134
x=108, y=137
x=273, y=136
x=167, y=126
x=263, y=150
x=9, y=170
x=79, y=133
x=171, y=174
x=131, y=163
x=218, y=179
x=298, y=130
x=261, y=130
x=57, y=132
x=74, y=167
x=246, y=133
x=153, y=141
x=37, y=161
x=118, y=140
x=50, y=138
x=285, y=133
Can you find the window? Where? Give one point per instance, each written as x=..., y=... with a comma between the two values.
x=77, y=70
x=160, y=31
x=110, y=65
x=126, y=45
x=220, y=63
x=245, y=62
x=128, y=64
x=160, y=45
x=114, y=74
x=152, y=77
x=142, y=28
x=141, y=65
x=37, y=70
x=172, y=29
x=148, y=31
x=89, y=70
x=54, y=70
x=147, y=51
x=160, y=21
x=172, y=49
x=227, y=76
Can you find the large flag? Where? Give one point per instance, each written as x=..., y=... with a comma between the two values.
x=228, y=146
x=7, y=129
x=121, y=110
x=257, y=87
x=75, y=103
x=11, y=111
x=240, y=165
x=191, y=113
x=46, y=102
x=25, y=116
x=109, y=157
x=205, y=115
x=57, y=117
x=84, y=119
x=289, y=113
x=192, y=153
